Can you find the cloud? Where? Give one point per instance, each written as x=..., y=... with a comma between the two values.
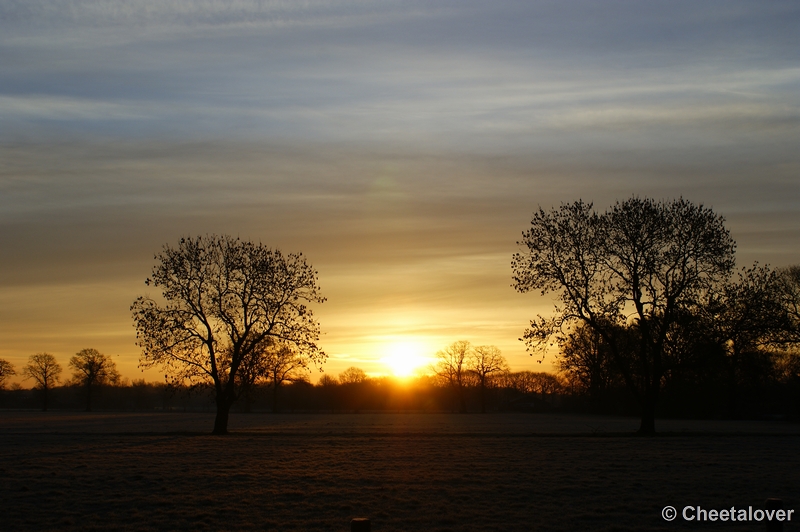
x=499, y=77
x=90, y=23
x=401, y=145
x=66, y=108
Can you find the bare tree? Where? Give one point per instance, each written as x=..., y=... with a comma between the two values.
x=328, y=380
x=225, y=300
x=353, y=375
x=790, y=299
x=749, y=316
x=44, y=370
x=6, y=370
x=452, y=368
x=354, y=392
x=532, y=382
x=284, y=363
x=749, y=313
x=547, y=383
x=641, y=263
x=92, y=369
x=483, y=362
x=586, y=361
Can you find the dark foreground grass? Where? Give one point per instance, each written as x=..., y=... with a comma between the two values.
x=423, y=480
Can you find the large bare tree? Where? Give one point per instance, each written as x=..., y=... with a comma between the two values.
x=44, y=369
x=224, y=301
x=641, y=265
x=90, y=369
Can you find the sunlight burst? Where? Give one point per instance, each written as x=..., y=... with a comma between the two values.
x=404, y=358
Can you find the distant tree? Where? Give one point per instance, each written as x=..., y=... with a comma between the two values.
x=533, y=382
x=353, y=375
x=329, y=391
x=284, y=363
x=643, y=263
x=226, y=300
x=452, y=368
x=790, y=300
x=586, y=361
x=789, y=364
x=328, y=380
x=44, y=370
x=91, y=369
x=353, y=392
x=748, y=318
x=483, y=362
x=516, y=380
x=6, y=370
x=749, y=313
x=547, y=383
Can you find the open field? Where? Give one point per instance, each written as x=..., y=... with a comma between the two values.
x=404, y=471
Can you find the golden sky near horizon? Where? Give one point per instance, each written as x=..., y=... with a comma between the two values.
x=401, y=147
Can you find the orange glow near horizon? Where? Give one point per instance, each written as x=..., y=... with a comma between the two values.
x=405, y=358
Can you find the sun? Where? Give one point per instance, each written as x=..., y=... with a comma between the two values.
x=403, y=358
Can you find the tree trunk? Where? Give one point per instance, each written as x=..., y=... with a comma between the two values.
x=275, y=397
x=221, y=420
x=733, y=388
x=89, y=398
x=648, y=423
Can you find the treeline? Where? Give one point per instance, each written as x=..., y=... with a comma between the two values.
x=733, y=354
x=757, y=384
x=351, y=391
x=773, y=390
x=135, y=396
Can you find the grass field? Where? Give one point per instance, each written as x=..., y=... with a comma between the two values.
x=404, y=471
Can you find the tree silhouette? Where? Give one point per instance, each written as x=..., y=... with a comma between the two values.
x=226, y=301
x=642, y=263
x=282, y=363
x=452, y=368
x=790, y=300
x=748, y=316
x=355, y=389
x=91, y=369
x=353, y=375
x=6, y=370
x=328, y=380
x=586, y=360
x=44, y=370
x=483, y=362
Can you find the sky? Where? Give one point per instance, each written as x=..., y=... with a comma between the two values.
x=401, y=146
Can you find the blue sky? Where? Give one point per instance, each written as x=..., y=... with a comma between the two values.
x=400, y=145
